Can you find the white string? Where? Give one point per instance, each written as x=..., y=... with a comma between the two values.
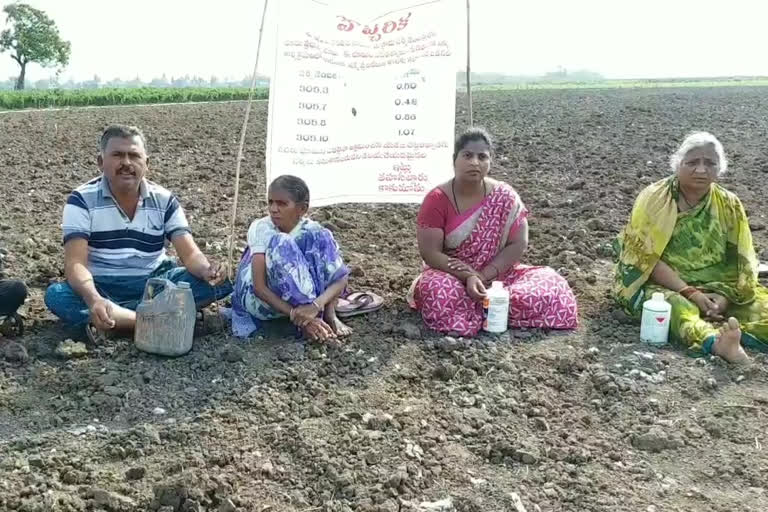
x=243, y=131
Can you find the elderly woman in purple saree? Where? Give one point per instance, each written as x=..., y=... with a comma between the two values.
x=292, y=268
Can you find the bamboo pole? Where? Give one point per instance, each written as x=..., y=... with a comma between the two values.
x=232, y=226
x=469, y=75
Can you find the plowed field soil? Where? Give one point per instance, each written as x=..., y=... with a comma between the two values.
x=398, y=418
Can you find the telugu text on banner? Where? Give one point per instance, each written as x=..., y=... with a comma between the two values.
x=362, y=101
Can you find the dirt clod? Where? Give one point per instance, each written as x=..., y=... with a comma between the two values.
x=14, y=352
x=112, y=501
x=136, y=473
x=409, y=330
x=268, y=469
x=446, y=371
x=656, y=440
x=232, y=354
x=448, y=344
x=227, y=506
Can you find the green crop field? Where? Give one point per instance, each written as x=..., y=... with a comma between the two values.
x=57, y=98
x=11, y=100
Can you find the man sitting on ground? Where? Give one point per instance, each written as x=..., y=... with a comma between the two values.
x=115, y=229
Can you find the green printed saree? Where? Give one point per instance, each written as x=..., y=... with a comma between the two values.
x=709, y=246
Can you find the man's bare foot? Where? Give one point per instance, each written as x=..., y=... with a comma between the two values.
x=728, y=343
x=318, y=330
x=341, y=329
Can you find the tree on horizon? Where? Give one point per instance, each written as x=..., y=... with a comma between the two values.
x=32, y=37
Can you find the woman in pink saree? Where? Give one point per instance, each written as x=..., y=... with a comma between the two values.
x=473, y=230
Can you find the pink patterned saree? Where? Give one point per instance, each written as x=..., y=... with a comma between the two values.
x=539, y=296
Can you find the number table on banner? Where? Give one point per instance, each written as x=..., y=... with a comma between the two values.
x=362, y=102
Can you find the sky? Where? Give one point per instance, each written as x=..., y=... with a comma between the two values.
x=617, y=38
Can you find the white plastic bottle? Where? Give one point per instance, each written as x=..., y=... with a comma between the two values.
x=654, y=326
x=496, y=308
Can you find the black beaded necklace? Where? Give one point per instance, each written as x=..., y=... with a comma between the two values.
x=453, y=189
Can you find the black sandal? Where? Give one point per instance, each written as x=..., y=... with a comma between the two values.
x=12, y=326
x=95, y=336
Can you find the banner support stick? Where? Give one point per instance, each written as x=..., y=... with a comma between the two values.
x=232, y=226
x=469, y=75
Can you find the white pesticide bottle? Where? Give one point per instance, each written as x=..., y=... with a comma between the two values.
x=496, y=308
x=654, y=326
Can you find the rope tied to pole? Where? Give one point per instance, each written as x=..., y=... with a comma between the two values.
x=243, y=131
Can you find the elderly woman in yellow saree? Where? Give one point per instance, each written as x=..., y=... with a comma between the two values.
x=689, y=238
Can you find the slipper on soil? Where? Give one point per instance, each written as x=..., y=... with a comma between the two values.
x=95, y=336
x=12, y=325
x=355, y=302
x=358, y=303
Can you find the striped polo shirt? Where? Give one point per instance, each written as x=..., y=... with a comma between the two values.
x=118, y=245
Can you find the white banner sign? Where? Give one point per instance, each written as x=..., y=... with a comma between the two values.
x=362, y=102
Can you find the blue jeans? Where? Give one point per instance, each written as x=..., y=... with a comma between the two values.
x=127, y=291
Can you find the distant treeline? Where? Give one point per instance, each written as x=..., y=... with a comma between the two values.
x=262, y=81
x=162, y=82
x=555, y=76
x=478, y=78
x=587, y=77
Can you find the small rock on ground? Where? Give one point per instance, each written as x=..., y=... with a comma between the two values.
x=655, y=440
x=112, y=500
x=15, y=352
x=69, y=349
x=409, y=330
x=227, y=506
x=268, y=469
x=445, y=505
x=232, y=354
x=135, y=473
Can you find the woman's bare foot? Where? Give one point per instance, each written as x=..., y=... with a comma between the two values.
x=340, y=328
x=728, y=343
x=318, y=330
